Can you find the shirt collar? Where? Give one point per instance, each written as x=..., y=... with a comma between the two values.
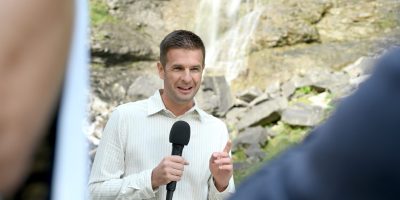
x=156, y=105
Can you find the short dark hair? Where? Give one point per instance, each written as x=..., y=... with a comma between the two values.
x=180, y=39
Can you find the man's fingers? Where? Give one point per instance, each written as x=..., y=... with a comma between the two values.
x=223, y=161
x=219, y=155
x=228, y=146
x=226, y=167
x=176, y=172
x=172, y=177
x=178, y=159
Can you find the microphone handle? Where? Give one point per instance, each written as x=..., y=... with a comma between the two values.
x=176, y=150
x=171, y=186
x=169, y=195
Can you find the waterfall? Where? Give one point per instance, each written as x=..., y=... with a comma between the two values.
x=226, y=32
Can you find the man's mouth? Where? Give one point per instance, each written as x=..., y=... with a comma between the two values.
x=185, y=89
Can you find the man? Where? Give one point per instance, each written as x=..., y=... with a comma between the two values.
x=133, y=159
x=354, y=155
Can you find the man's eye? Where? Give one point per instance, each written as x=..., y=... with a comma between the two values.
x=196, y=69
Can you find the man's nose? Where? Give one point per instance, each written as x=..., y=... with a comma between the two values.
x=187, y=77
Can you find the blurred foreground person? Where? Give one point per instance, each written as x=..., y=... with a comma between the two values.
x=354, y=155
x=38, y=116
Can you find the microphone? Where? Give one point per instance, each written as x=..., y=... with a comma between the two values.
x=179, y=137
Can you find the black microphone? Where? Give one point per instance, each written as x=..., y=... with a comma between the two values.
x=179, y=137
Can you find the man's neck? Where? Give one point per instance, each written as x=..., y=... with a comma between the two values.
x=175, y=108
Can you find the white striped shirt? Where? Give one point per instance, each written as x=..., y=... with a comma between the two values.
x=136, y=139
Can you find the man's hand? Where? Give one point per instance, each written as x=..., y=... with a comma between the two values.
x=169, y=169
x=221, y=167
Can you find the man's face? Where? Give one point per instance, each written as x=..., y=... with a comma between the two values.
x=182, y=75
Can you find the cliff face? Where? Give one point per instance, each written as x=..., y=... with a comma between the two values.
x=288, y=35
x=285, y=63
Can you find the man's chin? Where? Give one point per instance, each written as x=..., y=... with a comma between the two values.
x=185, y=99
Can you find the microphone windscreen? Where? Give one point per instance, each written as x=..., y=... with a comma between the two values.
x=180, y=133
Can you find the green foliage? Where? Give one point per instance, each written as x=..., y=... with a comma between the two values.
x=242, y=174
x=99, y=12
x=306, y=91
x=389, y=21
x=286, y=137
x=239, y=155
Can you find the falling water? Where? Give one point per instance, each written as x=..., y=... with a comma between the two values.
x=226, y=34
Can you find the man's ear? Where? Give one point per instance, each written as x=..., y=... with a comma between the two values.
x=161, y=71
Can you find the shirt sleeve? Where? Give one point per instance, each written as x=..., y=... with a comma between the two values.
x=214, y=194
x=107, y=179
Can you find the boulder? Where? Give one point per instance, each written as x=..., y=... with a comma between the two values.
x=233, y=116
x=254, y=153
x=302, y=115
x=249, y=94
x=250, y=136
x=143, y=87
x=215, y=96
x=263, y=113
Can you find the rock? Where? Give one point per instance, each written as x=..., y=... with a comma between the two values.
x=360, y=67
x=215, y=95
x=208, y=100
x=337, y=83
x=112, y=84
x=262, y=113
x=144, y=86
x=134, y=33
x=118, y=91
x=302, y=81
x=321, y=100
x=261, y=98
x=234, y=115
x=249, y=94
x=273, y=89
x=355, y=82
x=254, y=153
x=241, y=165
x=289, y=22
x=302, y=115
x=280, y=65
x=349, y=21
x=250, y=136
x=288, y=89
x=99, y=114
x=240, y=103
x=316, y=75
x=123, y=45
